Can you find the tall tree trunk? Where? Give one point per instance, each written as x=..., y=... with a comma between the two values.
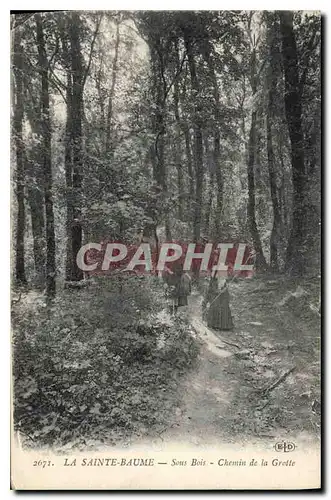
x=198, y=144
x=180, y=185
x=68, y=177
x=274, y=238
x=188, y=155
x=190, y=173
x=295, y=259
x=209, y=205
x=210, y=170
x=34, y=175
x=77, y=142
x=271, y=81
x=260, y=261
x=242, y=167
x=219, y=184
x=112, y=89
x=47, y=161
x=272, y=75
x=18, y=138
x=37, y=207
x=283, y=202
x=158, y=125
x=38, y=232
x=177, y=148
x=217, y=140
x=64, y=29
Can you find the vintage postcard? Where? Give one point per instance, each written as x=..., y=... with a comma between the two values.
x=166, y=224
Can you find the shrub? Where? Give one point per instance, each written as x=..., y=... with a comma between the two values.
x=79, y=373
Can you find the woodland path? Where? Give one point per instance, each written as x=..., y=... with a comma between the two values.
x=223, y=399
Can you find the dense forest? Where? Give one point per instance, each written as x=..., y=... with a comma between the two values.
x=154, y=126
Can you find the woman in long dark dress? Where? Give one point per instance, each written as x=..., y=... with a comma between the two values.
x=217, y=302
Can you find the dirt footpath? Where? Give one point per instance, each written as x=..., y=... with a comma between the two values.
x=261, y=381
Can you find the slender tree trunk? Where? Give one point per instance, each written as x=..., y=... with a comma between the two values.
x=190, y=173
x=295, y=259
x=210, y=170
x=159, y=129
x=260, y=261
x=219, y=185
x=34, y=175
x=112, y=89
x=18, y=138
x=68, y=177
x=180, y=179
x=47, y=162
x=209, y=205
x=282, y=227
x=158, y=126
x=37, y=207
x=77, y=143
x=284, y=211
x=188, y=153
x=177, y=149
x=217, y=141
x=101, y=100
x=272, y=88
x=242, y=168
x=275, y=232
x=274, y=238
x=198, y=144
x=38, y=231
x=68, y=138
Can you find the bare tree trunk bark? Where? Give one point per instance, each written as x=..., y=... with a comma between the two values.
x=68, y=177
x=272, y=88
x=65, y=27
x=158, y=126
x=177, y=148
x=108, y=146
x=34, y=175
x=260, y=261
x=295, y=259
x=190, y=172
x=47, y=161
x=37, y=206
x=18, y=138
x=219, y=184
x=38, y=226
x=210, y=170
x=217, y=141
x=198, y=144
x=77, y=143
x=274, y=238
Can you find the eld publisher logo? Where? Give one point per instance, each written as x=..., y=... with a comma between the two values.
x=285, y=446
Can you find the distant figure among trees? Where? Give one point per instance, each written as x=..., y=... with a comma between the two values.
x=178, y=287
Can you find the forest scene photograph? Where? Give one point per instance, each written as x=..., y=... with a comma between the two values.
x=165, y=227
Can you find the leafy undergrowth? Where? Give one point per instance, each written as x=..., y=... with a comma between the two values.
x=101, y=365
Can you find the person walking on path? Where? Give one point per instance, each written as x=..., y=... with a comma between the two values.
x=216, y=306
